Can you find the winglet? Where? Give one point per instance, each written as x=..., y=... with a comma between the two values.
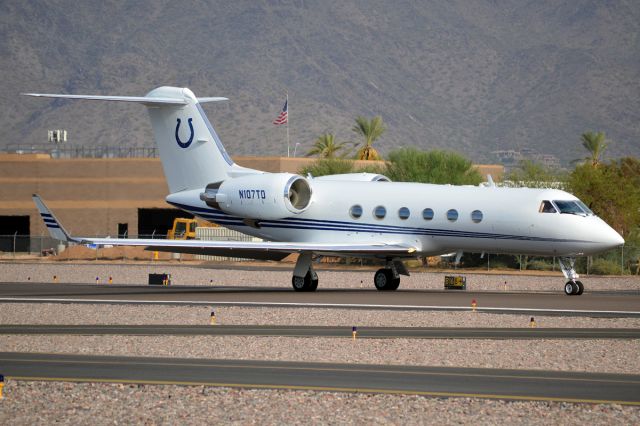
x=53, y=225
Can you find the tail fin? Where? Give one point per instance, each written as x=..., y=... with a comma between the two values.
x=191, y=152
x=53, y=225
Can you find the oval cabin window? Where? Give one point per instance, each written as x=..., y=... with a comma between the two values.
x=404, y=213
x=380, y=212
x=355, y=211
x=427, y=214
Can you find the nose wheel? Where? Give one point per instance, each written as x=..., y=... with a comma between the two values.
x=573, y=288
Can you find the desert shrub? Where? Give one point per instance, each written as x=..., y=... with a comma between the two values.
x=539, y=265
x=604, y=267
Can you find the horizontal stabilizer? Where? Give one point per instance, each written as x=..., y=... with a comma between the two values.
x=53, y=225
x=145, y=100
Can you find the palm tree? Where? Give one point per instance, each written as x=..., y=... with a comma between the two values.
x=370, y=131
x=595, y=143
x=325, y=146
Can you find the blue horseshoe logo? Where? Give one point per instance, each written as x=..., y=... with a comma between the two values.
x=187, y=143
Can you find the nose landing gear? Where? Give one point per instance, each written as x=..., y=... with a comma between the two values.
x=573, y=287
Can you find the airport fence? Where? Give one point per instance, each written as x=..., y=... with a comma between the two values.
x=624, y=260
x=80, y=151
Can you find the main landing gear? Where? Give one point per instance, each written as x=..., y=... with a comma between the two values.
x=573, y=287
x=304, y=277
x=388, y=278
x=385, y=279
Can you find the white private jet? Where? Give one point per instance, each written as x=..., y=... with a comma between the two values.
x=355, y=215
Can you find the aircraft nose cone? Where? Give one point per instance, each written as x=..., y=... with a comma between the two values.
x=613, y=239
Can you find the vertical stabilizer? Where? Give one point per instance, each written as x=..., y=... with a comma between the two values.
x=191, y=152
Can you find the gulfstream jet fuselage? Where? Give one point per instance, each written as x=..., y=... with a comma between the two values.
x=355, y=215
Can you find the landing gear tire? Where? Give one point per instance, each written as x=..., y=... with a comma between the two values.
x=573, y=288
x=570, y=288
x=306, y=283
x=384, y=280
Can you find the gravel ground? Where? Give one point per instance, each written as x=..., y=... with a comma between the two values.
x=95, y=403
x=39, y=403
x=124, y=273
x=91, y=403
x=588, y=355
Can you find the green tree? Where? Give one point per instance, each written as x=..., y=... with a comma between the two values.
x=328, y=166
x=534, y=175
x=612, y=191
x=326, y=147
x=595, y=143
x=413, y=165
x=370, y=131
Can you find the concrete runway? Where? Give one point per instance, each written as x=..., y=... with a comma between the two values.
x=616, y=304
x=325, y=331
x=431, y=381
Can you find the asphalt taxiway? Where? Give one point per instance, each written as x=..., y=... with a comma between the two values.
x=432, y=381
x=616, y=304
x=325, y=331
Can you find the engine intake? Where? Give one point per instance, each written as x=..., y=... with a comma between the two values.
x=266, y=196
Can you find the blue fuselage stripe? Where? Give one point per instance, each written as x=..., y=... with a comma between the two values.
x=223, y=218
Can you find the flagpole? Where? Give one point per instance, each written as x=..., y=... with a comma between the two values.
x=288, y=146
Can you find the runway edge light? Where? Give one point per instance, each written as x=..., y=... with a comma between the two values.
x=532, y=323
x=212, y=320
x=354, y=332
x=1, y=386
x=474, y=305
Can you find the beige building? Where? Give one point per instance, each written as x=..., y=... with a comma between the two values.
x=105, y=196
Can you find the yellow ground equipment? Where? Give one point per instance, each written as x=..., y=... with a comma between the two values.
x=183, y=229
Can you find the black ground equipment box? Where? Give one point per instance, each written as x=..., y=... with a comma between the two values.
x=455, y=282
x=159, y=279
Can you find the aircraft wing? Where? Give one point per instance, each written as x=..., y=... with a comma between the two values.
x=255, y=250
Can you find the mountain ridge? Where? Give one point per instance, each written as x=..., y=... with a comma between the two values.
x=473, y=77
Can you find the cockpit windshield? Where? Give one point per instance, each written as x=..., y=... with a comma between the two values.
x=584, y=207
x=570, y=207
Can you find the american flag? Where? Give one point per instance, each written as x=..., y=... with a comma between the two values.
x=282, y=118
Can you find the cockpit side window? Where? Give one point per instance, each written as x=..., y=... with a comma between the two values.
x=585, y=208
x=569, y=207
x=547, y=207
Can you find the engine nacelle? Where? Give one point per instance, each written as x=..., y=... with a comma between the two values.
x=267, y=196
x=356, y=177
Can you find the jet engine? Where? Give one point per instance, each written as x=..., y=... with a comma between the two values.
x=356, y=177
x=267, y=196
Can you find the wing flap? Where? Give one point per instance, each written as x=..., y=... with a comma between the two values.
x=257, y=250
